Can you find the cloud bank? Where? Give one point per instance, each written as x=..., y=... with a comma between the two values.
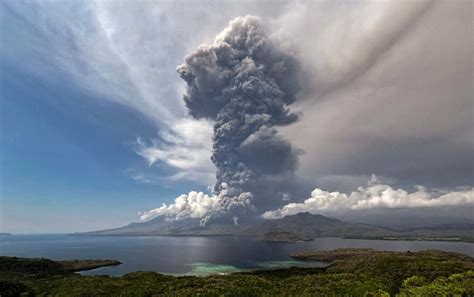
x=373, y=196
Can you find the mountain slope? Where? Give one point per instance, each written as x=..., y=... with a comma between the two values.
x=301, y=226
x=309, y=226
x=185, y=227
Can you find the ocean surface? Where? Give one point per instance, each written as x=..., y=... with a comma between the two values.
x=194, y=255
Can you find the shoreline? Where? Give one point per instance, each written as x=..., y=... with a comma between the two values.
x=85, y=265
x=391, y=238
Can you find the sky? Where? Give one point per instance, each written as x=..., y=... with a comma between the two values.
x=94, y=131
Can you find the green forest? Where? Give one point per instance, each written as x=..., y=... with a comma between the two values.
x=352, y=272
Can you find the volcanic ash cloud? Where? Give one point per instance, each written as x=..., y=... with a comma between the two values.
x=243, y=82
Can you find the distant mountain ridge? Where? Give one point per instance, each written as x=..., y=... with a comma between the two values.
x=309, y=226
x=302, y=226
x=185, y=227
x=298, y=227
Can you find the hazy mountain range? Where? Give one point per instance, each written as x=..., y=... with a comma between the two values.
x=302, y=226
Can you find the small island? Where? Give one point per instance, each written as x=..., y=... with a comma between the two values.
x=5, y=234
x=351, y=272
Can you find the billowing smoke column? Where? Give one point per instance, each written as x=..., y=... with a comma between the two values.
x=244, y=82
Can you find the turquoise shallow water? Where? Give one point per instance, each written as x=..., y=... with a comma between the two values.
x=203, y=269
x=200, y=268
x=194, y=255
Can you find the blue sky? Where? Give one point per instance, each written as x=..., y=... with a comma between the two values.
x=93, y=128
x=68, y=157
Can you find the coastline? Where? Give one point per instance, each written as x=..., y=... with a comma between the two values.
x=356, y=272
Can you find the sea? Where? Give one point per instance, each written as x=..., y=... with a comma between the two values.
x=195, y=255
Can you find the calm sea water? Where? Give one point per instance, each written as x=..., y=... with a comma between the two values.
x=193, y=255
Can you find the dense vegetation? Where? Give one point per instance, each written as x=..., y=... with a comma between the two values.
x=352, y=272
x=81, y=265
x=45, y=267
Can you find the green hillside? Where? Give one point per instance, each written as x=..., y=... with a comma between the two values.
x=352, y=272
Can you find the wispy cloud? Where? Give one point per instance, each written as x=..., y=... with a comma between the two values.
x=84, y=44
x=142, y=177
x=123, y=52
x=186, y=147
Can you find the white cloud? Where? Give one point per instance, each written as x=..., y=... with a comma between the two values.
x=198, y=205
x=122, y=51
x=374, y=196
x=186, y=147
x=192, y=205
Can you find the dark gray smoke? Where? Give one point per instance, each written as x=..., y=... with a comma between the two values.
x=244, y=82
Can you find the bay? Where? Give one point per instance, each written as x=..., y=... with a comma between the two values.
x=194, y=255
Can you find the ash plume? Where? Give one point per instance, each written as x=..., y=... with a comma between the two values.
x=244, y=82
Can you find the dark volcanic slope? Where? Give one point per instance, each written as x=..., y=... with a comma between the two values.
x=291, y=228
x=308, y=226
x=160, y=226
x=302, y=226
